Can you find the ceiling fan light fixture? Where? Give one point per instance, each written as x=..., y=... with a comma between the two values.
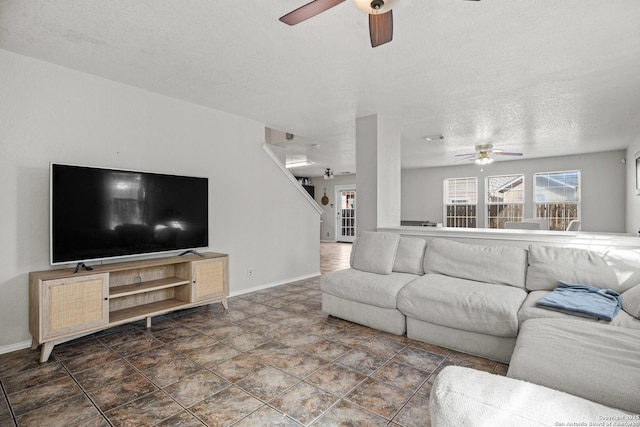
x=434, y=137
x=328, y=174
x=374, y=7
x=484, y=160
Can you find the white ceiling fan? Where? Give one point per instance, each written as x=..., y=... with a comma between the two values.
x=484, y=153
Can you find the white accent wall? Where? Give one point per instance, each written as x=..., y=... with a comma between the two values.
x=603, y=179
x=53, y=114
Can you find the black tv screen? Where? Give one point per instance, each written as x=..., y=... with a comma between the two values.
x=99, y=213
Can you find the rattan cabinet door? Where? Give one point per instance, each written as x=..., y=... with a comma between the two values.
x=72, y=305
x=210, y=279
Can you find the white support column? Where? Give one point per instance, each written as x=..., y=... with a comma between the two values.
x=378, y=177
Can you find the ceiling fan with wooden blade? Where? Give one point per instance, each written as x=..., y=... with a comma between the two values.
x=309, y=10
x=380, y=16
x=483, y=154
x=381, y=28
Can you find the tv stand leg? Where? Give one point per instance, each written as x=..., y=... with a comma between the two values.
x=34, y=344
x=47, y=348
x=148, y=322
x=225, y=304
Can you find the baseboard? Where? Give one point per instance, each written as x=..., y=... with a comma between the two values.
x=15, y=347
x=272, y=284
x=327, y=241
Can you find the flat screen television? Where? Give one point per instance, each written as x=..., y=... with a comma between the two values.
x=99, y=213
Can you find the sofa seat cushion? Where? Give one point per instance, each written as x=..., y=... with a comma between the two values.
x=529, y=310
x=463, y=304
x=598, y=362
x=380, y=290
x=502, y=265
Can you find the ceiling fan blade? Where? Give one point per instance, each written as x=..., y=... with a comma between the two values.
x=309, y=10
x=505, y=153
x=466, y=155
x=381, y=28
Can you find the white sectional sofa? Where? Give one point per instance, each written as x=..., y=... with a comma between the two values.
x=482, y=300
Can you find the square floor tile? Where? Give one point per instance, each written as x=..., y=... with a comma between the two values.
x=380, y=398
x=225, y=407
x=345, y=413
x=168, y=373
x=210, y=356
x=38, y=375
x=147, y=410
x=304, y=402
x=336, y=379
x=104, y=375
x=419, y=359
x=121, y=392
x=266, y=417
x=35, y=397
x=267, y=383
x=191, y=390
x=399, y=375
x=415, y=413
x=361, y=361
x=71, y=411
x=238, y=367
x=299, y=364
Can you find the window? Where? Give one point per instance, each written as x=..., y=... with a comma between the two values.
x=505, y=199
x=460, y=200
x=557, y=197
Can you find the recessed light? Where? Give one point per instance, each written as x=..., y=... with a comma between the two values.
x=315, y=145
x=433, y=137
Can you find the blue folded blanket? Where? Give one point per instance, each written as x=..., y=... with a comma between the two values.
x=582, y=300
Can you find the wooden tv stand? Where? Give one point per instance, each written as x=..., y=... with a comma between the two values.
x=64, y=305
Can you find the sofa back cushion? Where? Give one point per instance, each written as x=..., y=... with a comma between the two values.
x=549, y=264
x=502, y=265
x=375, y=252
x=625, y=264
x=631, y=301
x=410, y=256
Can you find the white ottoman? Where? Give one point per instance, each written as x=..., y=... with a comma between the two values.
x=466, y=397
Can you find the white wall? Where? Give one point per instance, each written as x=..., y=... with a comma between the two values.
x=603, y=175
x=328, y=226
x=49, y=113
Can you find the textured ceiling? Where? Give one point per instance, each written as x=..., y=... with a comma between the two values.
x=544, y=77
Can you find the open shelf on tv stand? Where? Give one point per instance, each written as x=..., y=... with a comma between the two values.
x=64, y=305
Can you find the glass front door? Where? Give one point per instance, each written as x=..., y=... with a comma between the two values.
x=346, y=215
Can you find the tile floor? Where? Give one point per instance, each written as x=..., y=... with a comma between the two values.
x=272, y=359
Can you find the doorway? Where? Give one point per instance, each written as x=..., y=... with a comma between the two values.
x=345, y=213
